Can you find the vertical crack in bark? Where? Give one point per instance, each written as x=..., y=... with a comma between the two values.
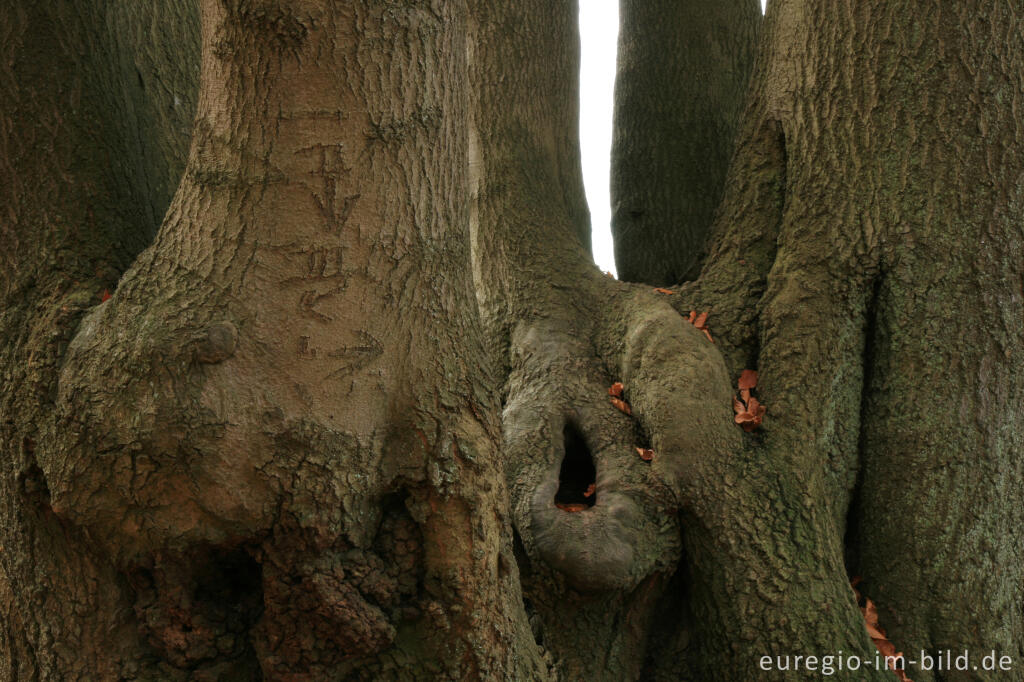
x=851, y=530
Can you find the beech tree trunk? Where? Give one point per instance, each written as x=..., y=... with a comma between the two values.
x=343, y=410
x=97, y=105
x=278, y=440
x=680, y=85
x=865, y=262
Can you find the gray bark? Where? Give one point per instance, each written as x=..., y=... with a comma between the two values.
x=277, y=439
x=94, y=121
x=865, y=262
x=276, y=452
x=680, y=85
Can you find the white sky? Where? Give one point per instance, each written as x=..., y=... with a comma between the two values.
x=599, y=30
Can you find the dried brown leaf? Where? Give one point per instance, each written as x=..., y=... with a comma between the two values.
x=755, y=408
x=622, y=405
x=748, y=379
x=886, y=648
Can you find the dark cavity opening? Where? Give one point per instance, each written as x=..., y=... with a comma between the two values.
x=578, y=477
x=230, y=582
x=197, y=610
x=869, y=361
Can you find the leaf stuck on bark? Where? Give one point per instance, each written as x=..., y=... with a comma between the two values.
x=886, y=648
x=749, y=411
x=622, y=405
x=700, y=322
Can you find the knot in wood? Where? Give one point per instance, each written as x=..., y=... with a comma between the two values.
x=217, y=344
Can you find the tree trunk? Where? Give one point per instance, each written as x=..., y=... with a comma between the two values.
x=866, y=262
x=275, y=451
x=279, y=431
x=95, y=121
x=680, y=85
x=564, y=333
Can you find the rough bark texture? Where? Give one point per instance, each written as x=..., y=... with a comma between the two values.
x=867, y=263
x=278, y=433
x=93, y=135
x=275, y=451
x=559, y=328
x=566, y=333
x=680, y=86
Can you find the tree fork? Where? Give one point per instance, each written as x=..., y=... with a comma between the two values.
x=861, y=207
x=539, y=286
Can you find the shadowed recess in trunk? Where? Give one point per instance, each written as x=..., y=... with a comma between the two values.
x=577, y=477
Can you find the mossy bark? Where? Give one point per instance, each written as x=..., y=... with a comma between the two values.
x=837, y=226
x=95, y=112
x=566, y=333
x=865, y=262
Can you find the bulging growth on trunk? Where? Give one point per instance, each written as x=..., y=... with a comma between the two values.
x=278, y=432
x=353, y=402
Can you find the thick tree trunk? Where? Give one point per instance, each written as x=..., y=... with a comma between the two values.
x=95, y=123
x=279, y=430
x=596, y=576
x=813, y=229
x=867, y=263
x=274, y=452
x=680, y=86
x=557, y=326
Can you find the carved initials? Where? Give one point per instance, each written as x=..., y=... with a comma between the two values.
x=330, y=167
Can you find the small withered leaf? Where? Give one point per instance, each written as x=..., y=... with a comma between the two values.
x=646, y=454
x=622, y=405
x=748, y=379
